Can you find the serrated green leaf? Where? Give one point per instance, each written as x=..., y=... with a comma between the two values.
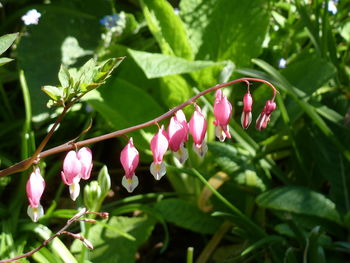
x=299, y=200
x=3, y=61
x=158, y=65
x=40, y=55
x=167, y=28
x=6, y=41
x=188, y=216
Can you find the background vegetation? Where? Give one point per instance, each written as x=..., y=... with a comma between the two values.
x=290, y=182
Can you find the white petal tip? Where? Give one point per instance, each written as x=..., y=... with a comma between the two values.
x=130, y=184
x=200, y=149
x=74, y=190
x=158, y=170
x=35, y=212
x=182, y=154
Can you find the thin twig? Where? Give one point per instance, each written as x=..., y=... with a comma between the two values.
x=25, y=164
x=62, y=231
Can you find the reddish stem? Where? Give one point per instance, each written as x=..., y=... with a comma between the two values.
x=23, y=165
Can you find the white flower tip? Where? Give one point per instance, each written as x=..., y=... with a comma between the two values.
x=219, y=133
x=74, y=190
x=158, y=170
x=200, y=149
x=181, y=154
x=35, y=212
x=130, y=184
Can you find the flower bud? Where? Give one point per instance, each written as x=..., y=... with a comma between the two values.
x=129, y=159
x=246, y=117
x=35, y=187
x=264, y=116
x=198, y=128
x=222, y=113
x=159, y=146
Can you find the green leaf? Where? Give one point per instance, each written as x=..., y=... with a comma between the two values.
x=167, y=28
x=63, y=76
x=319, y=71
x=226, y=30
x=188, y=216
x=40, y=55
x=3, y=61
x=158, y=65
x=6, y=41
x=299, y=200
x=266, y=241
x=113, y=247
x=55, y=93
x=174, y=90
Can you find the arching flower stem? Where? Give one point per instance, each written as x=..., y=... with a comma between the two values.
x=25, y=164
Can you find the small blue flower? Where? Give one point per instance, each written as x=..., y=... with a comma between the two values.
x=282, y=63
x=109, y=21
x=332, y=8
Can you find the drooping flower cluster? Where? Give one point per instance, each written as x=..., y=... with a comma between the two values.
x=76, y=166
x=176, y=135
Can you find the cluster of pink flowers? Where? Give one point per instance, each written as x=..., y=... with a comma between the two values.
x=77, y=165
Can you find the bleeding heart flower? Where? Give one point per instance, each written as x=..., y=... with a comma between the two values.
x=159, y=146
x=264, y=116
x=246, y=117
x=76, y=166
x=35, y=187
x=222, y=113
x=198, y=128
x=177, y=135
x=129, y=158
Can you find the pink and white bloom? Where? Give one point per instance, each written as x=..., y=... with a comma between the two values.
x=35, y=187
x=177, y=135
x=246, y=117
x=85, y=157
x=198, y=128
x=180, y=116
x=222, y=113
x=76, y=166
x=159, y=146
x=129, y=159
x=264, y=116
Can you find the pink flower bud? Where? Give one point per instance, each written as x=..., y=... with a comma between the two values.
x=85, y=157
x=35, y=187
x=198, y=128
x=222, y=113
x=177, y=134
x=71, y=168
x=246, y=117
x=159, y=146
x=76, y=165
x=180, y=116
x=129, y=159
x=264, y=116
